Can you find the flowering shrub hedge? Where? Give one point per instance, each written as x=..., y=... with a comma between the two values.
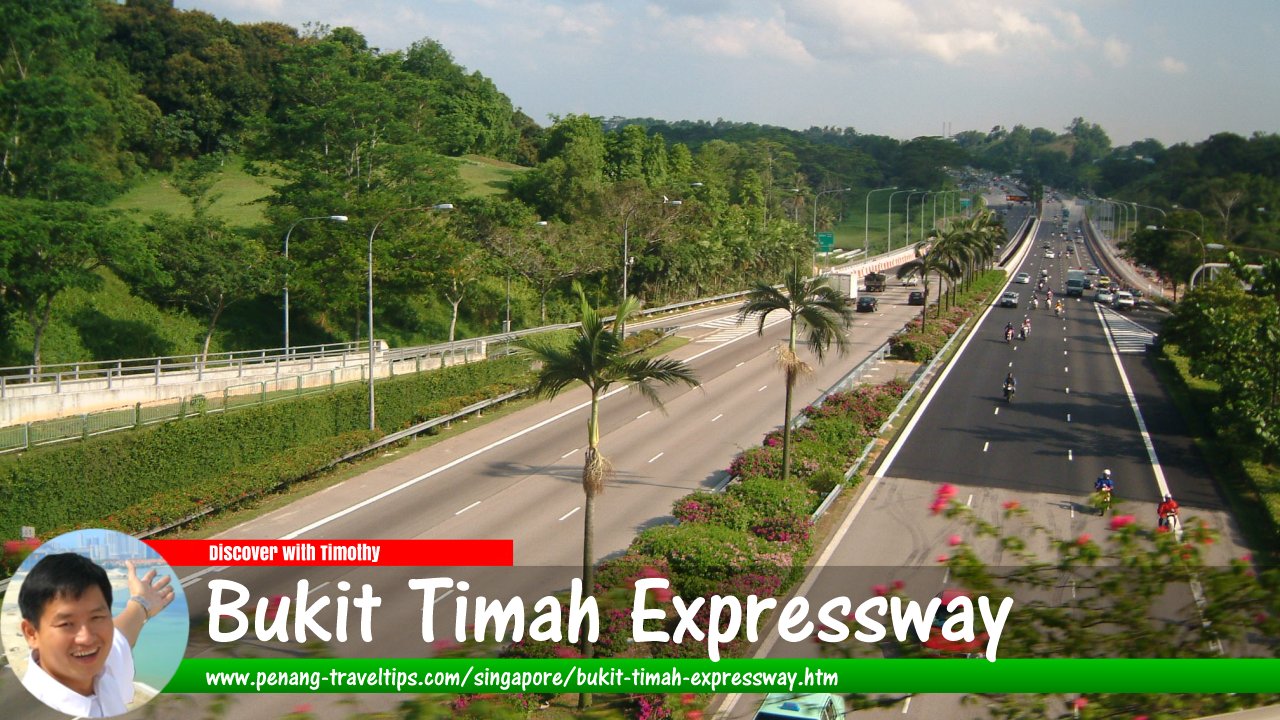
x=15, y=551
x=702, y=555
x=765, y=461
x=717, y=508
x=771, y=497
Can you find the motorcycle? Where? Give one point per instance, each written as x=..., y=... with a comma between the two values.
x=1102, y=500
x=1035, y=303
x=1057, y=311
x=1008, y=335
x=1022, y=334
x=1009, y=390
x=1170, y=521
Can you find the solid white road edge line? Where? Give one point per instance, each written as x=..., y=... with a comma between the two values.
x=1161, y=485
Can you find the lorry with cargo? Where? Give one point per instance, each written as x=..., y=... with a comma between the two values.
x=1075, y=282
x=874, y=282
x=846, y=283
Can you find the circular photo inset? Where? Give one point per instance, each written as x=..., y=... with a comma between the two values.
x=94, y=623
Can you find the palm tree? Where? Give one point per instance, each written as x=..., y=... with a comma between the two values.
x=596, y=358
x=822, y=310
x=934, y=261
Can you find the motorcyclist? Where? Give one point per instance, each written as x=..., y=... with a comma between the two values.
x=1026, y=327
x=1010, y=385
x=1167, y=509
x=1008, y=331
x=1057, y=309
x=1103, y=487
x=1035, y=302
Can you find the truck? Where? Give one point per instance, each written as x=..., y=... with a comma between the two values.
x=845, y=283
x=1075, y=282
x=874, y=282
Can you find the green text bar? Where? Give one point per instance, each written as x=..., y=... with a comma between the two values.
x=416, y=675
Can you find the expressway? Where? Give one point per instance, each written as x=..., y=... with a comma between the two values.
x=1080, y=388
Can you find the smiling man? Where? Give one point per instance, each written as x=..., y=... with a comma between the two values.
x=81, y=657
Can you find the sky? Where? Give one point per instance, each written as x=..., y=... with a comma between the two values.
x=1173, y=70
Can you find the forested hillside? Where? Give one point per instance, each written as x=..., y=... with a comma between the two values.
x=243, y=134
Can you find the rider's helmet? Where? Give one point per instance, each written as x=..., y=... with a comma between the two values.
x=1168, y=498
x=1106, y=473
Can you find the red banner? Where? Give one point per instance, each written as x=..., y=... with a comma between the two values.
x=391, y=553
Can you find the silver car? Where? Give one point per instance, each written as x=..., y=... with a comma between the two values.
x=1105, y=296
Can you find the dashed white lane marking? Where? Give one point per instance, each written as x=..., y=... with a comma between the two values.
x=717, y=417
x=467, y=508
x=655, y=457
x=571, y=512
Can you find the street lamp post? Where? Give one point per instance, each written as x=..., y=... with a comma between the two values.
x=815, y=209
x=935, y=210
x=815, y=205
x=335, y=218
x=369, y=289
x=906, y=236
x=866, y=216
x=889, y=231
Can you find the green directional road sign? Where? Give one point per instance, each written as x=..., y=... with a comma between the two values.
x=964, y=203
x=826, y=241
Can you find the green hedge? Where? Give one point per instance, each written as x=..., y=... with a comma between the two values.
x=79, y=484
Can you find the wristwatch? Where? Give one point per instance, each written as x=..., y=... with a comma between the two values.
x=144, y=604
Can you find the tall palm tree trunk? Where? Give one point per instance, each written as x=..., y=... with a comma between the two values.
x=594, y=471
x=786, y=418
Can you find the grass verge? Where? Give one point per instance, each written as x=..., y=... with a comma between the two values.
x=260, y=505
x=1252, y=488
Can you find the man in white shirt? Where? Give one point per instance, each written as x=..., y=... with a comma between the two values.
x=81, y=657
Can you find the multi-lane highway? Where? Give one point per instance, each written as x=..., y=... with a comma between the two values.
x=1083, y=382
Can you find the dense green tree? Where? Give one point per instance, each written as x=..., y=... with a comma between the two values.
x=1232, y=336
x=467, y=112
x=48, y=247
x=60, y=137
x=206, y=267
x=572, y=174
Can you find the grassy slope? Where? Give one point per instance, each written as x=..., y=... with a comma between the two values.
x=486, y=176
x=111, y=322
x=239, y=195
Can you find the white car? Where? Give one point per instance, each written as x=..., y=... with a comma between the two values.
x=1048, y=254
x=1022, y=278
x=1104, y=296
x=1123, y=300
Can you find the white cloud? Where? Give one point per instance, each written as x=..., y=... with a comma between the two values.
x=953, y=31
x=1115, y=51
x=738, y=37
x=1173, y=66
x=1072, y=26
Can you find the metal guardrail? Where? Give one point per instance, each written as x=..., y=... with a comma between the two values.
x=60, y=376
x=85, y=425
